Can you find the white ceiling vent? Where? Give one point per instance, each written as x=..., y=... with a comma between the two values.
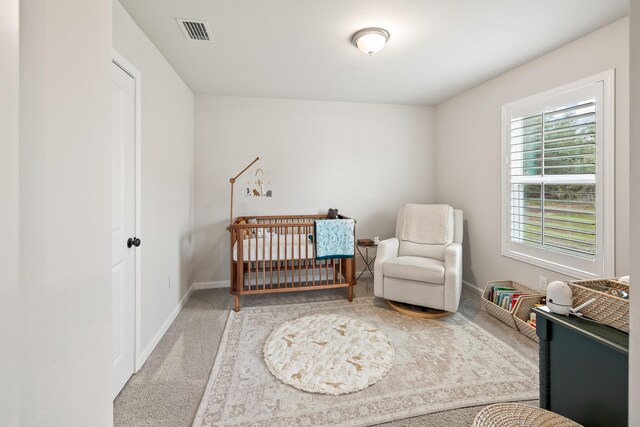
x=195, y=30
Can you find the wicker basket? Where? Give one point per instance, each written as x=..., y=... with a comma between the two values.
x=505, y=316
x=517, y=414
x=521, y=315
x=607, y=309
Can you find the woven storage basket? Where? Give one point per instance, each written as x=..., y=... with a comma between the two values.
x=505, y=316
x=607, y=309
x=521, y=315
x=519, y=415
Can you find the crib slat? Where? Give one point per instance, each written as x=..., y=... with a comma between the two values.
x=334, y=270
x=326, y=271
x=299, y=269
x=239, y=267
x=313, y=264
x=249, y=262
x=257, y=262
x=286, y=244
x=278, y=256
x=264, y=240
x=271, y=261
x=306, y=257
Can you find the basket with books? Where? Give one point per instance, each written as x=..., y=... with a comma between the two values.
x=611, y=305
x=500, y=297
x=523, y=316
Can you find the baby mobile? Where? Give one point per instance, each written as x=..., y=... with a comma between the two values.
x=261, y=186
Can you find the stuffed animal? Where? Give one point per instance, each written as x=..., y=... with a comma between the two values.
x=333, y=213
x=244, y=221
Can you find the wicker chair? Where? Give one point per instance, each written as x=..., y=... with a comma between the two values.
x=519, y=415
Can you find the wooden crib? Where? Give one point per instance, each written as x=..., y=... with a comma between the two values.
x=276, y=254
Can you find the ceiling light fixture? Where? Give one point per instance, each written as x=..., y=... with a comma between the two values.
x=370, y=40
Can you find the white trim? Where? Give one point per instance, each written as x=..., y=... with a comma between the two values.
x=604, y=263
x=609, y=74
x=197, y=286
x=473, y=287
x=126, y=66
x=609, y=187
x=549, y=265
x=559, y=179
x=164, y=328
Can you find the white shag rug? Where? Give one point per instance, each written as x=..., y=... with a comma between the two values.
x=439, y=365
x=328, y=353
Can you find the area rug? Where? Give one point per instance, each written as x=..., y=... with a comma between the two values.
x=440, y=365
x=328, y=353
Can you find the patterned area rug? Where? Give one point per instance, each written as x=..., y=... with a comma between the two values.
x=440, y=365
x=327, y=353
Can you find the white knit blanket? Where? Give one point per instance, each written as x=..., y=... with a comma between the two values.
x=427, y=224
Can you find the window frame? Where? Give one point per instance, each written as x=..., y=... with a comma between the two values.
x=604, y=263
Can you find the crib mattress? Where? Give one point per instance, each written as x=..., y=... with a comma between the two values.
x=272, y=248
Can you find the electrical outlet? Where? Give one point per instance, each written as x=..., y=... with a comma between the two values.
x=542, y=283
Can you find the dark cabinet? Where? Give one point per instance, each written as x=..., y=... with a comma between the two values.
x=583, y=370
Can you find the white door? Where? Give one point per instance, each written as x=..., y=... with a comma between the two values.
x=123, y=223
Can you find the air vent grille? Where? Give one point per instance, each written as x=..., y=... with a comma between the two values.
x=195, y=30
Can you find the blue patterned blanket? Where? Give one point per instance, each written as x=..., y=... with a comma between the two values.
x=334, y=238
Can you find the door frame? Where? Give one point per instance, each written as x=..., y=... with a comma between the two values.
x=126, y=66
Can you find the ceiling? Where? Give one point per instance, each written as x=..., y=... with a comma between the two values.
x=301, y=48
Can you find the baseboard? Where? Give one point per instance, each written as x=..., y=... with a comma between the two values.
x=473, y=287
x=163, y=329
x=210, y=285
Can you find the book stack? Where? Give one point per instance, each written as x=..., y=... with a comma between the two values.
x=505, y=297
x=532, y=315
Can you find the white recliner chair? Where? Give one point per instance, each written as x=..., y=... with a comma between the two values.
x=422, y=265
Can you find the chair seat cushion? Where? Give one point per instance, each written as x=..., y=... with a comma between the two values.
x=414, y=268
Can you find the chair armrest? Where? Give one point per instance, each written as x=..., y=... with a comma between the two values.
x=452, y=276
x=386, y=249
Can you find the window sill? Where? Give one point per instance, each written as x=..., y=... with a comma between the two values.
x=549, y=265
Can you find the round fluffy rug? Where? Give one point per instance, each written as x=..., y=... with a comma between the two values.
x=328, y=354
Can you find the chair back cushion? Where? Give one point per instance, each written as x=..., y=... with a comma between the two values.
x=408, y=248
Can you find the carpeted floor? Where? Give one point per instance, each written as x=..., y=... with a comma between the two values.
x=168, y=389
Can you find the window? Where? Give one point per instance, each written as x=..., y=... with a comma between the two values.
x=558, y=178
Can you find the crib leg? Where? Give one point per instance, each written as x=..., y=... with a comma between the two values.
x=236, y=304
x=350, y=293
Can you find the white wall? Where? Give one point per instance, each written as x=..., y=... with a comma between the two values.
x=469, y=149
x=634, y=196
x=9, y=213
x=167, y=176
x=60, y=311
x=367, y=160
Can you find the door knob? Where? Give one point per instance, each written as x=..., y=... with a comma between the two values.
x=133, y=241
